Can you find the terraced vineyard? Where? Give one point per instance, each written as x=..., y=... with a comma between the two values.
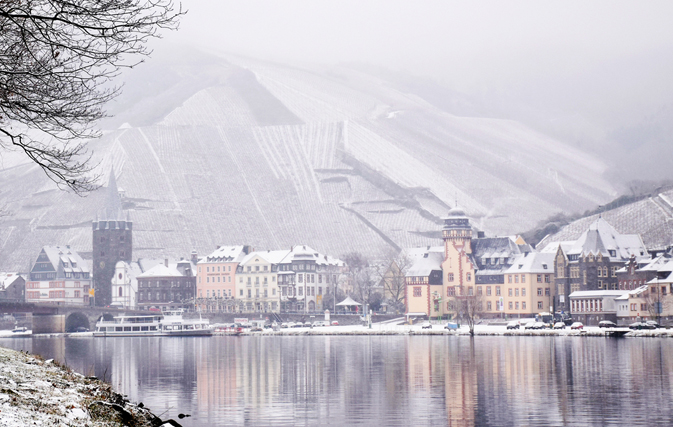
x=274, y=156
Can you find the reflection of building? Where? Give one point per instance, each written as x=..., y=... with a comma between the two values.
x=12, y=287
x=59, y=275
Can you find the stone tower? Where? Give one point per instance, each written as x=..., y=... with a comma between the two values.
x=112, y=242
x=457, y=231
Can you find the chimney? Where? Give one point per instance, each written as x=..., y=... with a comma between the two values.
x=166, y=262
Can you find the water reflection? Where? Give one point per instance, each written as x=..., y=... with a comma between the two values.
x=386, y=380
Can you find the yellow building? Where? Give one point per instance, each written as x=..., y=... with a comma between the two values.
x=257, y=282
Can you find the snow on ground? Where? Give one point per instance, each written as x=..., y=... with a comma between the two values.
x=38, y=392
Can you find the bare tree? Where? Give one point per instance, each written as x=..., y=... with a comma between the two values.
x=657, y=302
x=393, y=278
x=470, y=307
x=57, y=58
x=363, y=278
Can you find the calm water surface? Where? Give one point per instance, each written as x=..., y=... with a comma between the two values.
x=382, y=380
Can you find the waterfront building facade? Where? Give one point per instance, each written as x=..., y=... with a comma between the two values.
x=257, y=282
x=59, y=275
x=216, y=278
x=167, y=286
x=12, y=287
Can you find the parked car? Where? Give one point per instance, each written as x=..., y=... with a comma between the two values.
x=577, y=325
x=307, y=324
x=652, y=324
x=559, y=325
x=426, y=325
x=20, y=329
x=283, y=325
x=514, y=324
x=335, y=323
x=451, y=325
x=606, y=324
x=81, y=329
x=320, y=323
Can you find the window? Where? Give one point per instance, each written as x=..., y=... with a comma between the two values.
x=478, y=290
x=510, y=305
x=450, y=291
x=417, y=291
x=207, y=269
x=470, y=291
x=546, y=278
x=547, y=292
x=539, y=305
x=450, y=277
x=539, y=278
x=523, y=292
x=241, y=292
x=643, y=307
x=539, y=292
x=509, y=292
x=523, y=305
x=516, y=305
x=488, y=306
x=516, y=292
x=516, y=278
x=523, y=278
x=469, y=277
x=488, y=290
x=509, y=279
x=249, y=293
x=120, y=291
x=497, y=290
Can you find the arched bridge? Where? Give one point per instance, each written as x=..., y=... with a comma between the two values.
x=55, y=318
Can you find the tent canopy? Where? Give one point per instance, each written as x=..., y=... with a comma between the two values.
x=348, y=301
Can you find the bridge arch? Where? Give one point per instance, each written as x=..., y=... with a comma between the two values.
x=76, y=320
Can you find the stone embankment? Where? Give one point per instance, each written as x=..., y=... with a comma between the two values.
x=41, y=392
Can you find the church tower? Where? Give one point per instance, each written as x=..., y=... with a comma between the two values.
x=112, y=242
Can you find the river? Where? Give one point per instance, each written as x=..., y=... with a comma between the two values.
x=382, y=380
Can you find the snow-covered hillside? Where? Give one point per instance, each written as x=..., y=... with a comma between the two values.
x=268, y=155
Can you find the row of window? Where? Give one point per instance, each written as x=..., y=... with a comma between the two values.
x=468, y=277
x=592, y=305
x=634, y=307
x=164, y=284
x=160, y=296
x=257, y=293
x=512, y=292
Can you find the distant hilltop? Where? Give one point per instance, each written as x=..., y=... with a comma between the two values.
x=244, y=151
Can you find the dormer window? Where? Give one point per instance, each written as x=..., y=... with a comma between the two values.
x=544, y=266
x=613, y=253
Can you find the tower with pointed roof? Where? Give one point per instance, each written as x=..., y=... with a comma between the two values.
x=112, y=242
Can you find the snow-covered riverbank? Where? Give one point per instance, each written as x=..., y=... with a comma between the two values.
x=40, y=392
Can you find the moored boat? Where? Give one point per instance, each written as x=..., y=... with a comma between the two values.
x=168, y=323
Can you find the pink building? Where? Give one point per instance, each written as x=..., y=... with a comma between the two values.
x=216, y=278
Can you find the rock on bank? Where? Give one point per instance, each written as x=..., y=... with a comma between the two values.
x=38, y=392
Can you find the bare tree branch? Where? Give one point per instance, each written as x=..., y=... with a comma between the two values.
x=57, y=59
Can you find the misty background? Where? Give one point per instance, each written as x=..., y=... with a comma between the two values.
x=594, y=74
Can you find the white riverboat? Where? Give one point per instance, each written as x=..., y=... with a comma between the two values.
x=168, y=323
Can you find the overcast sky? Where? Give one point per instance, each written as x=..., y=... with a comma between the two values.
x=601, y=65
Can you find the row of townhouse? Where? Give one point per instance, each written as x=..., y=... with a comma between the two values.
x=238, y=279
x=511, y=279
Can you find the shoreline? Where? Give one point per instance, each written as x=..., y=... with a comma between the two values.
x=44, y=392
x=390, y=329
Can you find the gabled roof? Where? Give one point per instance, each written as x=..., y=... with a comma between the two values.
x=160, y=270
x=602, y=238
x=486, y=249
x=633, y=293
x=65, y=259
x=6, y=279
x=272, y=257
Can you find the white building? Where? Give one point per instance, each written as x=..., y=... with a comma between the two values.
x=125, y=285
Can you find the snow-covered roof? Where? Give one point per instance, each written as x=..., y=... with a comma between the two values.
x=423, y=265
x=272, y=257
x=6, y=279
x=66, y=258
x=633, y=293
x=532, y=262
x=227, y=254
x=602, y=238
x=160, y=270
x=597, y=294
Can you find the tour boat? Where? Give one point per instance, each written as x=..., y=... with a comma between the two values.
x=168, y=323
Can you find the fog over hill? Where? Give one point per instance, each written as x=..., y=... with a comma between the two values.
x=237, y=151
